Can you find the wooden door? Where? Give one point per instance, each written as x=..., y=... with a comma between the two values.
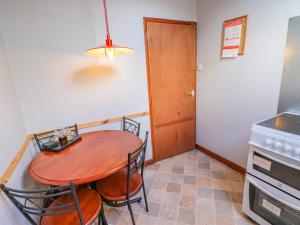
x=171, y=58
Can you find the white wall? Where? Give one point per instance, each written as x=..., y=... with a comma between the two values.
x=235, y=93
x=42, y=68
x=11, y=137
x=58, y=85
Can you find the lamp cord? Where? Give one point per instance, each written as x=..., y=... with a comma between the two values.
x=106, y=18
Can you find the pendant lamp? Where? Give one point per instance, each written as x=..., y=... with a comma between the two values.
x=109, y=50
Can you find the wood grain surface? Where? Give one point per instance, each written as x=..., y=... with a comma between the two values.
x=98, y=155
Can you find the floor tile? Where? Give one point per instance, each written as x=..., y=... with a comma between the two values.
x=162, y=176
x=126, y=219
x=190, y=180
x=204, y=182
x=168, y=212
x=187, y=202
x=244, y=221
x=171, y=199
x=178, y=162
x=219, y=184
x=159, y=184
x=221, y=195
x=191, y=164
x=236, y=197
x=234, y=186
x=173, y=187
x=177, y=178
x=204, y=173
x=146, y=220
x=154, y=209
x=192, y=157
x=223, y=209
x=205, y=193
x=186, y=216
x=203, y=165
x=113, y=215
x=202, y=219
x=217, y=166
x=167, y=168
x=154, y=166
x=178, y=169
x=218, y=175
x=188, y=189
x=156, y=195
x=205, y=206
x=224, y=220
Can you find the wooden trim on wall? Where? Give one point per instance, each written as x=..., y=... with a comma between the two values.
x=14, y=163
x=221, y=159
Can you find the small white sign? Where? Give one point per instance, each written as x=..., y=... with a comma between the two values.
x=230, y=53
x=271, y=207
x=263, y=163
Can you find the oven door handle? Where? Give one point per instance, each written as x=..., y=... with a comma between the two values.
x=272, y=195
x=272, y=158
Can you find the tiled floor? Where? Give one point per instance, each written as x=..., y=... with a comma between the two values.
x=188, y=189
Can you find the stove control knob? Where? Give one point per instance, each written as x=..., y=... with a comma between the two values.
x=288, y=148
x=269, y=142
x=278, y=144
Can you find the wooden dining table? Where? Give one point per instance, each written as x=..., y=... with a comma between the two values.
x=97, y=155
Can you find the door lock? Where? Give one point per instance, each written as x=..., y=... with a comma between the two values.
x=192, y=93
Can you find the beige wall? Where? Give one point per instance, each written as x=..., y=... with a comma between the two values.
x=56, y=84
x=235, y=93
x=44, y=70
x=11, y=137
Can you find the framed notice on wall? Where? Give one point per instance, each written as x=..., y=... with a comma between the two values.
x=234, y=37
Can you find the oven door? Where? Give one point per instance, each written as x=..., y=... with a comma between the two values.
x=268, y=205
x=275, y=169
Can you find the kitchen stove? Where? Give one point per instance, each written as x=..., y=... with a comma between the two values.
x=272, y=185
x=280, y=134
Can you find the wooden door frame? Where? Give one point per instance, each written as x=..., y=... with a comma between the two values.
x=168, y=21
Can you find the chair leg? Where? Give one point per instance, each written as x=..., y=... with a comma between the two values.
x=131, y=213
x=102, y=215
x=145, y=198
x=99, y=218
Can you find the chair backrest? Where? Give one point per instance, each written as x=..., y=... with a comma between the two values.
x=44, y=137
x=136, y=162
x=32, y=203
x=131, y=126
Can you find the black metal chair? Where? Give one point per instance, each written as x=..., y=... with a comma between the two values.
x=48, y=136
x=131, y=126
x=118, y=189
x=58, y=206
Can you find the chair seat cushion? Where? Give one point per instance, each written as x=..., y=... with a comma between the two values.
x=90, y=205
x=114, y=187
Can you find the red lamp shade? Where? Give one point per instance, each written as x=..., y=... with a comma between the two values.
x=109, y=50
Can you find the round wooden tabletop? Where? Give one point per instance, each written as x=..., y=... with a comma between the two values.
x=97, y=155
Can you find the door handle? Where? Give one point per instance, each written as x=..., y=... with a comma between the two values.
x=192, y=93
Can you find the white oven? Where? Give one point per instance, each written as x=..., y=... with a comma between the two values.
x=268, y=205
x=272, y=185
x=276, y=169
